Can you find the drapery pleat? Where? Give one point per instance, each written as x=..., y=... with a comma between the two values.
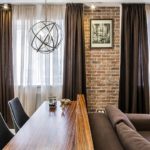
x=147, y=7
x=134, y=87
x=6, y=68
x=74, y=81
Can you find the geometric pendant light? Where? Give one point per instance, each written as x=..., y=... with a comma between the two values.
x=46, y=35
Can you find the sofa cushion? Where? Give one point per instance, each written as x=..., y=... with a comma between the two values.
x=145, y=134
x=131, y=139
x=103, y=135
x=116, y=116
x=140, y=121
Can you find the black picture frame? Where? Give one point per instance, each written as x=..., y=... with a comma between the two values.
x=101, y=33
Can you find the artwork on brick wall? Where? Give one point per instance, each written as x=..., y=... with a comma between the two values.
x=101, y=33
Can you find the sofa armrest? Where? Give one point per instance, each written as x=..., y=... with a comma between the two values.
x=140, y=121
x=103, y=134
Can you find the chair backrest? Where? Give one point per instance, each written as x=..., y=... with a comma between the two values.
x=5, y=134
x=19, y=117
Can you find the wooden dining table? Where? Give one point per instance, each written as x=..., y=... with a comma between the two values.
x=55, y=129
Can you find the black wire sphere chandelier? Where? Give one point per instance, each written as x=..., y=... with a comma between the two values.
x=46, y=36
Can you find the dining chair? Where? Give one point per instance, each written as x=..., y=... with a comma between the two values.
x=5, y=134
x=19, y=117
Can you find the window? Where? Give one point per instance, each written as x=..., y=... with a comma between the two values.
x=32, y=67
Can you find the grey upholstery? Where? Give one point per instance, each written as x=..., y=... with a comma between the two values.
x=104, y=137
x=5, y=134
x=116, y=116
x=130, y=139
x=115, y=130
x=19, y=117
x=140, y=121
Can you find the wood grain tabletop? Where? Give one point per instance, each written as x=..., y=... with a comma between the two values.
x=54, y=130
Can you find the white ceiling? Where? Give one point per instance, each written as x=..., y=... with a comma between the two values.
x=72, y=1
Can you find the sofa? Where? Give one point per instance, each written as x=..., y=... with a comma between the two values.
x=114, y=130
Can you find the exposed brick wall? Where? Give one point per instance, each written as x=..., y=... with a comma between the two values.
x=102, y=65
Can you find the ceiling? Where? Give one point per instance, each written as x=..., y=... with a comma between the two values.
x=72, y=1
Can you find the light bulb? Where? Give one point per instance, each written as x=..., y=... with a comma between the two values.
x=5, y=6
x=93, y=7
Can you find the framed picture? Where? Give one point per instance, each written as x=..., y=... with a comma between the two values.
x=101, y=33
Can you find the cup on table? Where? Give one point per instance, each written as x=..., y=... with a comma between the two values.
x=52, y=101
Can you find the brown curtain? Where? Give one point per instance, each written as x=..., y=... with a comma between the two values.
x=6, y=71
x=134, y=88
x=74, y=56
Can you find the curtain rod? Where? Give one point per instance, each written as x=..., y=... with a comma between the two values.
x=98, y=4
x=85, y=4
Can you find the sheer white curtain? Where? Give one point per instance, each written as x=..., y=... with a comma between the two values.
x=36, y=76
